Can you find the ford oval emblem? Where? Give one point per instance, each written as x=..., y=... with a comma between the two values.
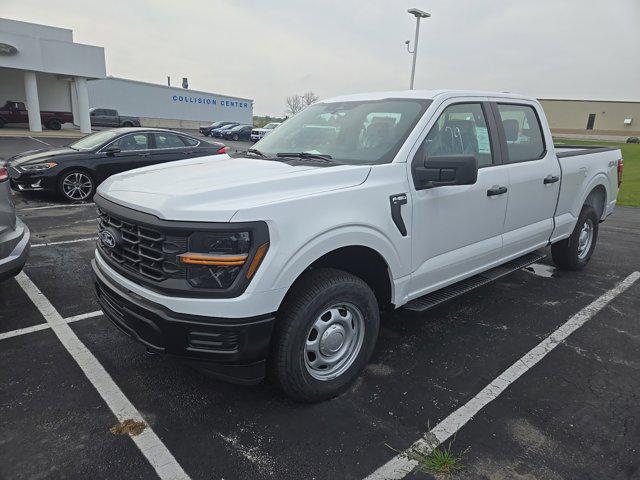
x=108, y=239
x=7, y=50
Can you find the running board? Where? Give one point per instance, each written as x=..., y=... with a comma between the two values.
x=445, y=294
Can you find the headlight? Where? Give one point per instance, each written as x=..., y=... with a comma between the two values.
x=215, y=259
x=38, y=167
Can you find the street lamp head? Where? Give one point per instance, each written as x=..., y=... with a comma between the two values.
x=418, y=13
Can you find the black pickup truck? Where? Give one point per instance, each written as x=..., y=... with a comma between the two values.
x=106, y=117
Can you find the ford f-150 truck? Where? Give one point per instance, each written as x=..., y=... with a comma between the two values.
x=278, y=261
x=16, y=112
x=106, y=117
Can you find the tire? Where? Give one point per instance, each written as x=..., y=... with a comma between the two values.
x=325, y=298
x=1, y=123
x=54, y=124
x=82, y=180
x=127, y=124
x=573, y=253
x=236, y=137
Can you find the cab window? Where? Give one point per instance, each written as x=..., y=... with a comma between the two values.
x=461, y=129
x=522, y=131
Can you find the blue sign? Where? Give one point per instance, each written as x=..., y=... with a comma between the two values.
x=210, y=101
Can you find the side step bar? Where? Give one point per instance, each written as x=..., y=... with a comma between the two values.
x=445, y=294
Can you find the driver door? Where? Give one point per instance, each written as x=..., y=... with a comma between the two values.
x=457, y=229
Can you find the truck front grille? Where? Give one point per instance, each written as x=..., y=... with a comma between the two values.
x=141, y=250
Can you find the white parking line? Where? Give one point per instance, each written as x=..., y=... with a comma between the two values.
x=62, y=242
x=44, y=326
x=401, y=465
x=83, y=316
x=148, y=442
x=38, y=140
x=45, y=207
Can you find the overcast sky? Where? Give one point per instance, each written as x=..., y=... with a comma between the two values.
x=267, y=50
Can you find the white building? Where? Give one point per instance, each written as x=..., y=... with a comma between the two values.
x=43, y=67
x=164, y=106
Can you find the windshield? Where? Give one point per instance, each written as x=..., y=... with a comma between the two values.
x=95, y=140
x=359, y=132
x=229, y=127
x=270, y=126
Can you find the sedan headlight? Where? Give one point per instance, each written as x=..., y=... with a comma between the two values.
x=215, y=259
x=38, y=167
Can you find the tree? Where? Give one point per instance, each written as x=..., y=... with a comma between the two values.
x=294, y=104
x=309, y=98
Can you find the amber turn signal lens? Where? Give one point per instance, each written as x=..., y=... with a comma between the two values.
x=215, y=260
x=257, y=259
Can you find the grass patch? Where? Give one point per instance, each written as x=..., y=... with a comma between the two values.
x=629, y=193
x=441, y=461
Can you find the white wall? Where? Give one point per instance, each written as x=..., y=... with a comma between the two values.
x=53, y=92
x=150, y=100
x=49, y=49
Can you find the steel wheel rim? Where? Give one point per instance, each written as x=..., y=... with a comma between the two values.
x=334, y=341
x=585, y=239
x=77, y=186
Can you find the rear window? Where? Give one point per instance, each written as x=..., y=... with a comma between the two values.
x=523, y=132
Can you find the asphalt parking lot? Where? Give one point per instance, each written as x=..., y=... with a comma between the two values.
x=573, y=414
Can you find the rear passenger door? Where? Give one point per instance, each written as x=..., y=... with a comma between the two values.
x=534, y=177
x=167, y=147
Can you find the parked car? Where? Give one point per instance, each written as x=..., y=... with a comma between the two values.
x=75, y=171
x=217, y=132
x=106, y=117
x=206, y=131
x=16, y=112
x=292, y=248
x=14, y=235
x=260, y=133
x=239, y=132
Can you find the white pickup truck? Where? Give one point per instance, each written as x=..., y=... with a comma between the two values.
x=277, y=261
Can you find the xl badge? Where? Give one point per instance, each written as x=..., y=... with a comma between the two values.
x=108, y=239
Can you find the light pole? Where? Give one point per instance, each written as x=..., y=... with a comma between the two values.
x=418, y=14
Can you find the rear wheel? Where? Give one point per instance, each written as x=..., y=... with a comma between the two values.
x=236, y=137
x=324, y=335
x=76, y=186
x=574, y=252
x=1, y=123
x=127, y=124
x=54, y=124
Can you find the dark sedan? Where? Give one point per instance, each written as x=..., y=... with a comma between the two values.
x=240, y=132
x=217, y=132
x=75, y=171
x=206, y=131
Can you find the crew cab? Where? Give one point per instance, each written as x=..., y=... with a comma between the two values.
x=278, y=260
x=107, y=117
x=16, y=112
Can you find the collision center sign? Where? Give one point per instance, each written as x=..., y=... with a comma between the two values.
x=210, y=101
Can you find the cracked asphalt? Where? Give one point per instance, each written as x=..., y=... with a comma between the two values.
x=574, y=415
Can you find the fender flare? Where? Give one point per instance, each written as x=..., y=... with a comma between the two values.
x=599, y=179
x=334, y=239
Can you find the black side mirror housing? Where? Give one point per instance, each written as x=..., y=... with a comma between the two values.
x=442, y=170
x=112, y=150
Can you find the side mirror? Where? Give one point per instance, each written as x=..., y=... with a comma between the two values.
x=442, y=170
x=111, y=150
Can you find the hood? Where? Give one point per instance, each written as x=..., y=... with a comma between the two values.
x=214, y=188
x=41, y=155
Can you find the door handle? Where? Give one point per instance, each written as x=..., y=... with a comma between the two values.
x=144, y=154
x=496, y=191
x=551, y=179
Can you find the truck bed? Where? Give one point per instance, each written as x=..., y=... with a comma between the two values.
x=573, y=150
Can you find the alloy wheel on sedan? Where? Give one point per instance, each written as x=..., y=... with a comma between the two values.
x=77, y=186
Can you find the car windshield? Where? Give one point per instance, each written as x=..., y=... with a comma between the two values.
x=270, y=126
x=228, y=127
x=358, y=132
x=237, y=127
x=95, y=140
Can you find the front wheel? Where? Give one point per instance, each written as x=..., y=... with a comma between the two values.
x=574, y=252
x=324, y=336
x=76, y=186
x=54, y=124
x=236, y=137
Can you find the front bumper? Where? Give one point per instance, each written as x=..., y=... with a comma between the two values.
x=33, y=181
x=12, y=264
x=234, y=349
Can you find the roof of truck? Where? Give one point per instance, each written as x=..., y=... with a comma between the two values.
x=423, y=94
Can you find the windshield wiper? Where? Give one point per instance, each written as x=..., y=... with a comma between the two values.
x=255, y=151
x=314, y=156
